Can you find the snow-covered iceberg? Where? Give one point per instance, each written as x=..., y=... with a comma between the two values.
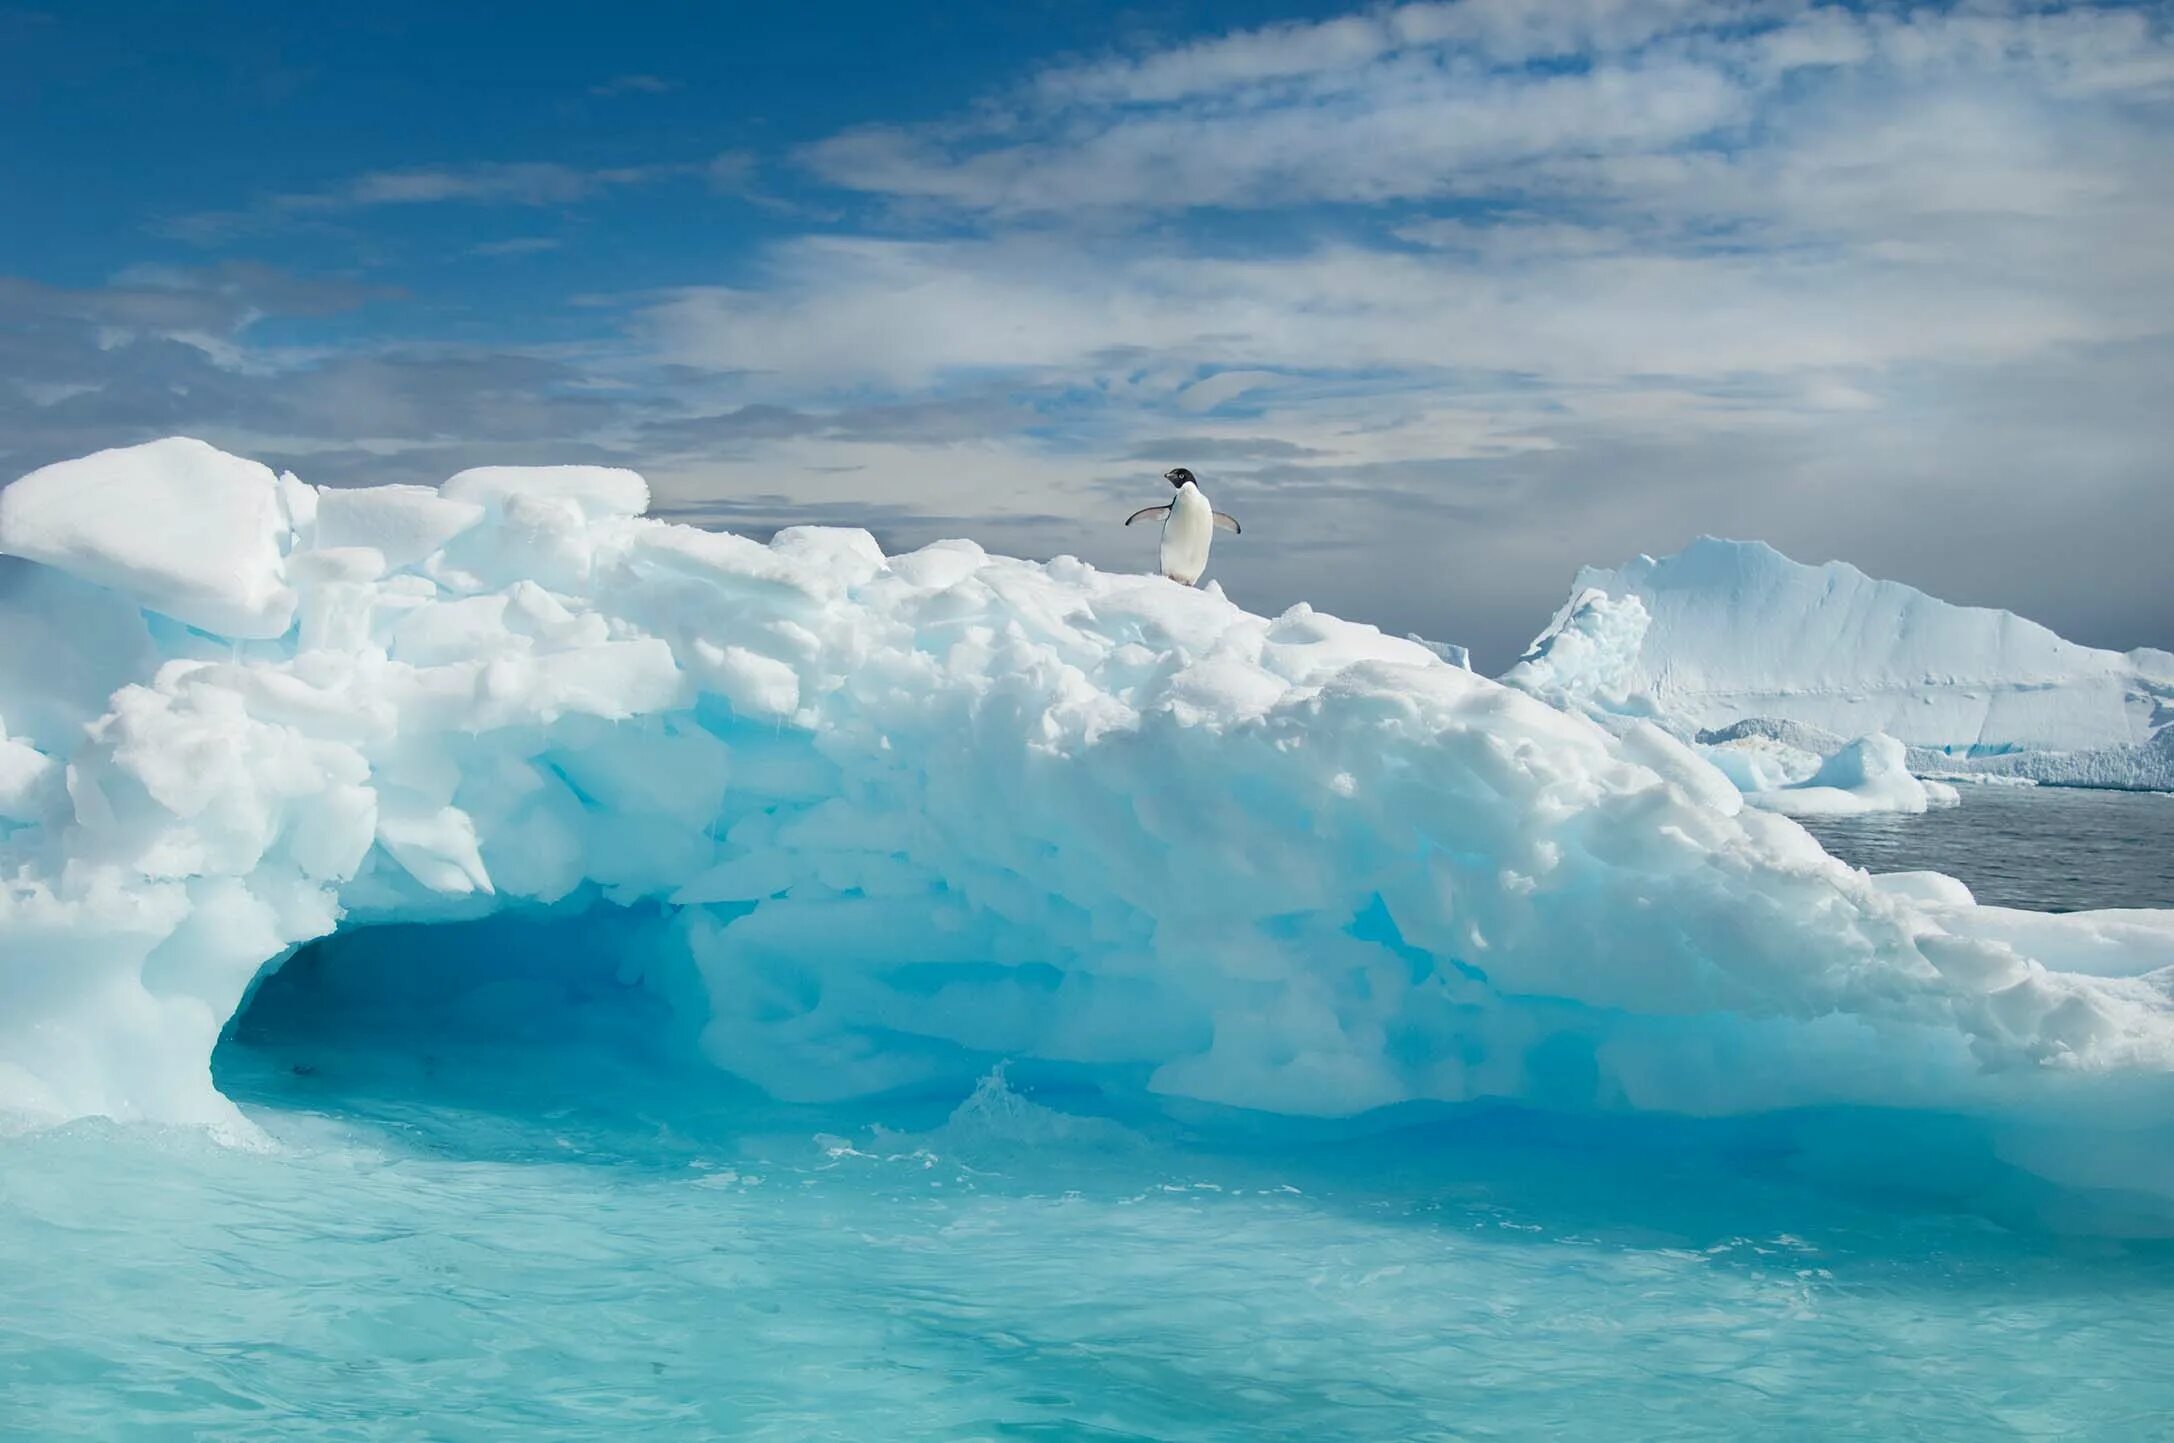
x=886, y=821
x=1729, y=631
x=1588, y=662
x=1867, y=774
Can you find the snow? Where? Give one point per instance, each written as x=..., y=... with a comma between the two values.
x=26, y=778
x=1587, y=659
x=1728, y=633
x=2147, y=768
x=65, y=646
x=596, y=491
x=2117, y=942
x=1587, y=662
x=403, y=524
x=1449, y=651
x=1865, y=775
x=1761, y=764
x=908, y=817
x=1738, y=629
x=186, y=529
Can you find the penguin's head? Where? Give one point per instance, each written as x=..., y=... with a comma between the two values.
x=1177, y=476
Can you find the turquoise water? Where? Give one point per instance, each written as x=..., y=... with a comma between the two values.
x=465, y=1262
x=476, y=1219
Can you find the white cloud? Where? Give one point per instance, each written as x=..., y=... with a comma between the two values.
x=1529, y=281
x=1212, y=391
x=528, y=183
x=912, y=313
x=1472, y=291
x=1406, y=128
x=1694, y=191
x=1433, y=102
x=524, y=245
x=503, y=183
x=1500, y=32
x=635, y=85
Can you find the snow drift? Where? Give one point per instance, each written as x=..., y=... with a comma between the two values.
x=1727, y=631
x=891, y=820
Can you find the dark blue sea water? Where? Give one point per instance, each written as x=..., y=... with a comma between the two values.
x=552, y=1234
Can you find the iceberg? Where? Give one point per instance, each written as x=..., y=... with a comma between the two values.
x=1868, y=774
x=883, y=822
x=1588, y=662
x=1729, y=632
x=201, y=543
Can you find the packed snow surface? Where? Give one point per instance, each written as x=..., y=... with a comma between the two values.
x=888, y=821
x=1730, y=630
x=182, y=527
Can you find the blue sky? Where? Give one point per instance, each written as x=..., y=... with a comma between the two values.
x=1444, y=300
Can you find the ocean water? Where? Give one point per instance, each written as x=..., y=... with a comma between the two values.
x=2050, y=849
x=476, y=1259
x=482, y=1221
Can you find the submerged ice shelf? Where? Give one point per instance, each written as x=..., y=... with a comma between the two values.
x=891, y=820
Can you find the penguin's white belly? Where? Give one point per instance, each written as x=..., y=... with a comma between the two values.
x=1186, y=533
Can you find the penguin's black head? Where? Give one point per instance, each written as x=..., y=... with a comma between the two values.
x=1177, y=476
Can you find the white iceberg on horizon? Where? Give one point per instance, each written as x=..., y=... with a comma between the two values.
x=1729, y=633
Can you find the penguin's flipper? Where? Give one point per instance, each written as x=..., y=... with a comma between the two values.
x=1148, y=511
x=1227, y=522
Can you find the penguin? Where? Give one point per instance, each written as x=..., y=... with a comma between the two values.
x=1188, y=526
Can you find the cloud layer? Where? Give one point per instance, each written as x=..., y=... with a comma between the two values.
x=1445, y=299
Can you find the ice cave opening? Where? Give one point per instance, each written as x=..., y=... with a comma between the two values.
x=562, y=991
x=652, y=1008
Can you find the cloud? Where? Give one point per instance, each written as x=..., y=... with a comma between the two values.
x=1443, y=299
x=1413, y=132
x=1680, y=207
x=1477, y=292
x=1435, y=102
x=1344, y=49
x=161, y=349
x=908, y=313
x=526, y=245
x=516, y=183
x=1227, y=448
x=1223, y=387
x=742, y=430
x=635, y=85
x=533, y=183
x=203, y=308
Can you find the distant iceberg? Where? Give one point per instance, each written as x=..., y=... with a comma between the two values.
x=889, y=821
x=1726, y=632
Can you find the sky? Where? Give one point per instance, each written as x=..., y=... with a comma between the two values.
x=1443, y=301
